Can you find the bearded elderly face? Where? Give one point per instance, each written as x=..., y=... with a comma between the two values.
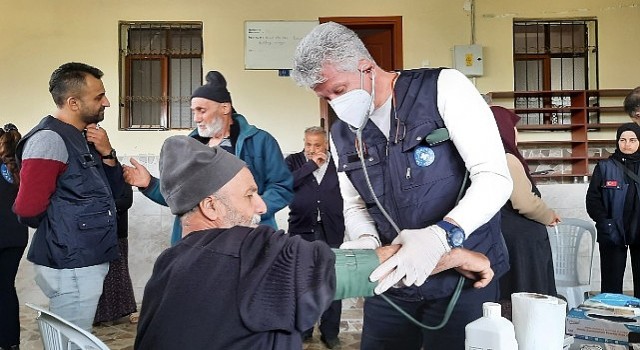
x=212, y=118
x=241, y=201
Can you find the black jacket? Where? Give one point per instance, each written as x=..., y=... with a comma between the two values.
x=12, y=233
x=311, y=197
x=238, y=288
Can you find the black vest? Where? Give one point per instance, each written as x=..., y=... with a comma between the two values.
x=414, y=196
x=79, y=228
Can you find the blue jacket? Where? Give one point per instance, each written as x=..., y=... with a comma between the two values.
x=264, y=159
x=79, y=226
x=414, y=196
x=605, y=202
x=311, y=198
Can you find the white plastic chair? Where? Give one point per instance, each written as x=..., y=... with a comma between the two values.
x=59, y=334
x=567, y=239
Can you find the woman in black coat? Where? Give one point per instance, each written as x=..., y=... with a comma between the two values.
x=13, y=239
x=613, y=202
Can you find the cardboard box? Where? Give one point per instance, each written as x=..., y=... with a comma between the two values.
x=606, y=318
x=582, y=344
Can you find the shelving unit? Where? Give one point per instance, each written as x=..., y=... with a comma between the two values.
x=562, y=134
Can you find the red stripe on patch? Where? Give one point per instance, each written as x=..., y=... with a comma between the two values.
x=611, y=183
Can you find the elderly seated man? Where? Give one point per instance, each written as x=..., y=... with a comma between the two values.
x=230, y=284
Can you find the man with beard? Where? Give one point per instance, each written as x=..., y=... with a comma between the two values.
x=70, y=176
x=231, y=284
x=218, y=124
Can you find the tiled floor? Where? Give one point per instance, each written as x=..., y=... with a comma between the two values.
x=121, y=334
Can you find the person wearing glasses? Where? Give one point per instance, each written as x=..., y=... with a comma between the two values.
x=13, y=239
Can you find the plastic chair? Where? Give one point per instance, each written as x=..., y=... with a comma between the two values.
x=566, y=239
x=59, y=334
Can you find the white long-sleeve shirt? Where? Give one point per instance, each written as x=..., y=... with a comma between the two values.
x=473, y=131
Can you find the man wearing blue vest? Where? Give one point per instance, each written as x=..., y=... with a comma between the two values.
x=69, y=178
x=403, y=145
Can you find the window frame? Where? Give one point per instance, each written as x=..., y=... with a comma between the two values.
x=548, y=53
x=164, y=56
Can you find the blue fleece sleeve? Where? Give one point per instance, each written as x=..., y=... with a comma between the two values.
x=278, y=187
x=153, y=192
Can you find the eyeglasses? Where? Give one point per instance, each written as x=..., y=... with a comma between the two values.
x=9, y=127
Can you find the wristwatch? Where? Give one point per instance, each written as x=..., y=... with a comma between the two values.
x=455, y=235
x=111, y=155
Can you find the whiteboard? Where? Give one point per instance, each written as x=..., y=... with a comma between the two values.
x=271, y=44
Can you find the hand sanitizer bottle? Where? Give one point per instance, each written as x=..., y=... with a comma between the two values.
x=491, y=331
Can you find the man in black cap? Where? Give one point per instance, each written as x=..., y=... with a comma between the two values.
x=229, y=284
x=218, y=124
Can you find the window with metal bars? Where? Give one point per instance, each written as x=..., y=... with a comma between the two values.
x=160, y=65
x=553, y=55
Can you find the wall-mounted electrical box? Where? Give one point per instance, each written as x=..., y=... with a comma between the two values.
x=468, y=60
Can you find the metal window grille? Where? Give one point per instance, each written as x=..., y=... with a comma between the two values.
x=160, y=65
x=553, y=55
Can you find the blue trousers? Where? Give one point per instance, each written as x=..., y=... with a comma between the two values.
x=73, y=293
x=386, y=328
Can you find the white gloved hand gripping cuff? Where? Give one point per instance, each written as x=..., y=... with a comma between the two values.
x=413, y=263
x=365, y=241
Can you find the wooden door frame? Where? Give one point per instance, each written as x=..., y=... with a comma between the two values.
x=394, y=22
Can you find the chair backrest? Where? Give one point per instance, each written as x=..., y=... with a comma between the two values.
x=60, y=334
x=566, y=240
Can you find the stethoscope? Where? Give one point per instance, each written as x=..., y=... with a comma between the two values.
x=361, y=154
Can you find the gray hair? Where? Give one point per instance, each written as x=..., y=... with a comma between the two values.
x=315, y=130
x=329, y=43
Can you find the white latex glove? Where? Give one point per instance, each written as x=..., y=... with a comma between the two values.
x=366, y=241
x=413, y=263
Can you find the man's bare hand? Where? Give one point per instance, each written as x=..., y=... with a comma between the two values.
x=136, y=175
x=386, y=252
x=318, y=158
x=99, y=138
x=473, y=265
x=556, y=219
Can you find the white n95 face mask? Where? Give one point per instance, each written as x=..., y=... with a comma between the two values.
x=355, y=106
x=352, y=107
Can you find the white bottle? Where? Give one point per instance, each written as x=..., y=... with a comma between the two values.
x=491, y=331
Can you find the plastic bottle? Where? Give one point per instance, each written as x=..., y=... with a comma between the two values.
x=491, y=331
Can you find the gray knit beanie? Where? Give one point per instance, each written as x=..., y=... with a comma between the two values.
x=190, y=171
